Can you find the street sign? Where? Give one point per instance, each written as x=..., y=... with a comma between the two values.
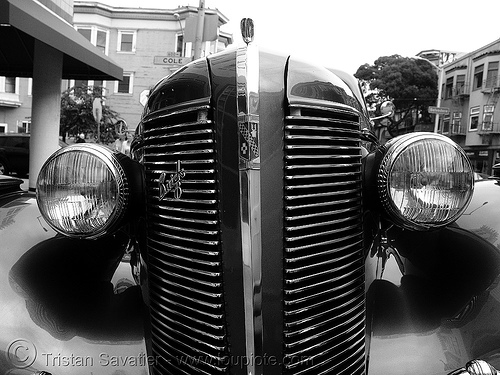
x=97, y=109
x=171, y=60
x=439, y=110
x=143, y=97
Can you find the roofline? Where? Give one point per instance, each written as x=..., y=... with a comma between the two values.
x=110, y=11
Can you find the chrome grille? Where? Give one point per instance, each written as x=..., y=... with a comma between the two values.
x=324, y=269
x=184, y=258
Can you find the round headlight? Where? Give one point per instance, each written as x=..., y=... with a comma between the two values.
x=425, y=180
x=82, y=191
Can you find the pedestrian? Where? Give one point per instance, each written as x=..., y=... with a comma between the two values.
x=122, y=144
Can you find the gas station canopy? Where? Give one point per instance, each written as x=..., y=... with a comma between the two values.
x=22, y=22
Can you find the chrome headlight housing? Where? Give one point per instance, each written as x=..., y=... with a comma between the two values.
x=83, y=190
x=425, y=180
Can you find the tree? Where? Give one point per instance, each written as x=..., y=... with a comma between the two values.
x=77, y=116
x=410, y=83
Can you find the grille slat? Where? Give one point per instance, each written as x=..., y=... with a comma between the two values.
x=187, y=298
x=323, y=275
x=324, y=272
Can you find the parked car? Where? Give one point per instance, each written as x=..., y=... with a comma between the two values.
x=14, y=153
x=257, y=228
x=480, y=176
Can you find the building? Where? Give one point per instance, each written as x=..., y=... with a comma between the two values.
x=124, y=50
x=148, y=44
x=38, y=49
x=470, y=89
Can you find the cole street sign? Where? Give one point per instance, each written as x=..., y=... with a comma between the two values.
x=171, y=60
x=439, y=110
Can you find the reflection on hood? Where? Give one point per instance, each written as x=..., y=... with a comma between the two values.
x=68, y=291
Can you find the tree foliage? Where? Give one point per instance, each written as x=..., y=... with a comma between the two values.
x=410, y=83
x=77, y=115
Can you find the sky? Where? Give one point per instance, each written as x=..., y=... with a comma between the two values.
x=349, y=33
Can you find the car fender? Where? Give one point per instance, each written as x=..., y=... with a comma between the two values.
x=437, y=304
x=68, y=306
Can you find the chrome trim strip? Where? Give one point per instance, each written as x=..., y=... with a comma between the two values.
x=188, y=230
x=181, y=133
x=195, y=310
x=200, y=201
x=318, y=214
x=333, y=107
x=323, y=243
x=247, y=73
x=187, y=210
x=326, y=184
x=181, y=342
x=293, y=157
x=171, y=153
x=321, y=175
x=190, y=289
x=325, y=302
x=323, y=223
x=190, y=220
x=322, y=204
x=323, y=195
x=189, y=327
x=184, y=248
x=321, y=147
x=327, y=121
x=291, y=288
x=322, y=234
x=210, y=243
x=192, y=106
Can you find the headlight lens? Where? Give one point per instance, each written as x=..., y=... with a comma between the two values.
x=82, y=190
x=425, y=180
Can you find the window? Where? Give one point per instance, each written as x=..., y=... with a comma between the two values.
x=455, y=125
x=10, y=85
x=474, y=119
x=460, y=84
x=81, y=83
x=126, y=41
x=488, y=118
x=3, y=128
x=90, y=84
x=446, y=124
x=449, y=88
x=478, y=77
x=492, y=75
x=86, y=32
x=98, y=37
x=25, y=126
x=101, y=40
x=125, y=86
x=179, y=44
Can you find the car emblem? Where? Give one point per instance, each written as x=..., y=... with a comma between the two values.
x=174, y=184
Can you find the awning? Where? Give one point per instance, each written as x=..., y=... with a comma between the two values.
x=24, y=21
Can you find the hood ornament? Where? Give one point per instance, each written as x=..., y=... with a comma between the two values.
x=173, y=184
x=247, y=30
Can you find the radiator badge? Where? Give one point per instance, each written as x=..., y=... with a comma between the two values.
x=174, y=184
x=249, y=140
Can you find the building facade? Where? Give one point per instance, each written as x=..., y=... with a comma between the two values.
x=148, y=44
x=39, y=48
x=470, y=89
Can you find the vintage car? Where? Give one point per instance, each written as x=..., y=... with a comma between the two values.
x=257, y=228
